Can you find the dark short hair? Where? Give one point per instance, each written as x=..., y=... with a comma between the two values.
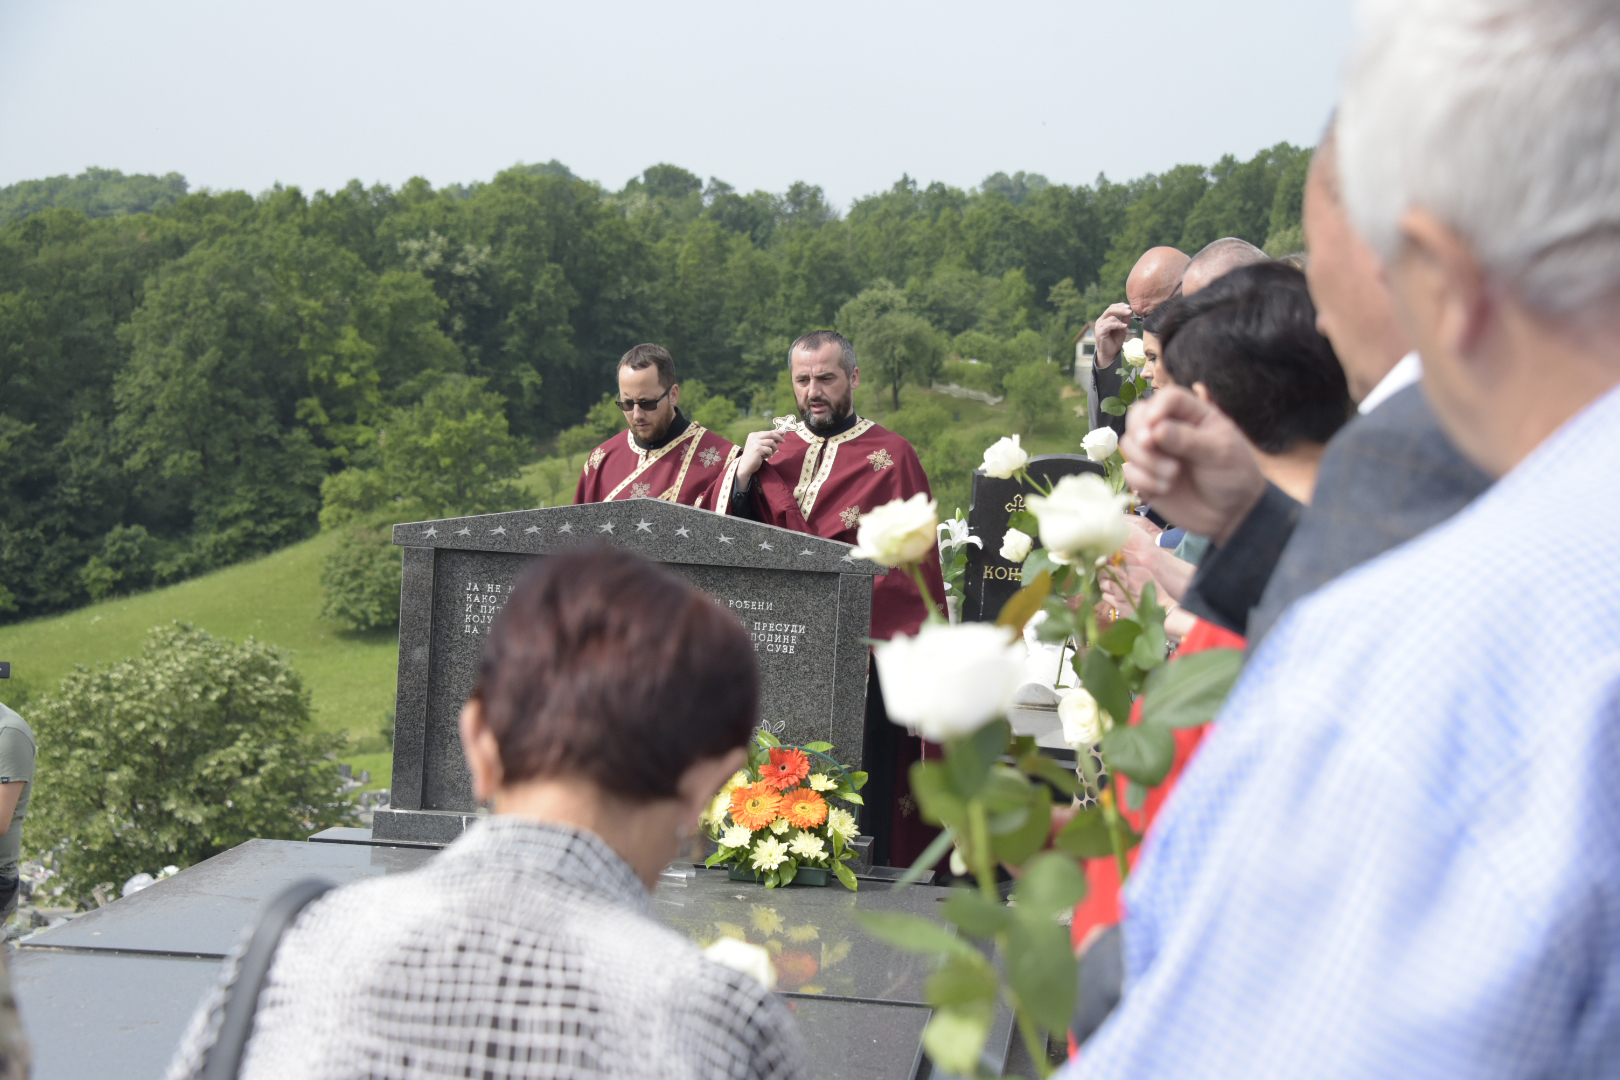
x=816, y=340
x=607, y=666
x=648, y=355
x=1250, y=337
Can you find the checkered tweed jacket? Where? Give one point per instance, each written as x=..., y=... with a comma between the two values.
x=523, y=950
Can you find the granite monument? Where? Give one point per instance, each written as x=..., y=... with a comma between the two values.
x=989, y=581
x=806, y=601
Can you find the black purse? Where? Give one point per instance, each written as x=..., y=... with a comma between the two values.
x=224, y=1059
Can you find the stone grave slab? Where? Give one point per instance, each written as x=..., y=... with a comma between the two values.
x=109, y=994
x=989, y=581
x=807, y=602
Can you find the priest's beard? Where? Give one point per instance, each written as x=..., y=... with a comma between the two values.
x=836, y=415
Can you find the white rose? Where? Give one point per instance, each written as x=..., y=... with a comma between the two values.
x=898, y=532
x=741, y=956
x=1015, y=546
x=1004, y=458
x=1133, y=352
x=1082, y=726
x=1082, y=518
x=949, y=680
x=1100, y=443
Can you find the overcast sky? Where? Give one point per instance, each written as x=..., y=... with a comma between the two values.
x=246, y=94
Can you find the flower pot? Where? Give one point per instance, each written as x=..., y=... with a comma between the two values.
x=807, y=875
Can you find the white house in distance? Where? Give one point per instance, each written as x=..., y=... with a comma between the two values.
x=1085, y=351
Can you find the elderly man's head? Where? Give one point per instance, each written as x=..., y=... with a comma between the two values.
x=1217, y=258
x=1352, y=304
x=1479, y=154
x=1155, y=279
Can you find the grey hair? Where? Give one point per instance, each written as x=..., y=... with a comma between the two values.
x=816, y=340
x=1502, y=119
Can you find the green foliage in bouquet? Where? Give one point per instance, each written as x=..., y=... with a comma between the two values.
x=774, y=818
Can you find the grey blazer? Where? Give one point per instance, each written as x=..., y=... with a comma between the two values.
x=1105, y=383
x=1385, y=478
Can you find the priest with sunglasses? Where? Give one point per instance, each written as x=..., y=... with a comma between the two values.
x=663, y=455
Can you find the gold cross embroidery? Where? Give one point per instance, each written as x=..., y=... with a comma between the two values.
x=880, y=459
x=596, y=458
x=850, y=515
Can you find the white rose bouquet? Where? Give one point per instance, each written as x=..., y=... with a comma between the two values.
x=992, y=795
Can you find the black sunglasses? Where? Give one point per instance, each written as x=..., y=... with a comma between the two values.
x=626, y=404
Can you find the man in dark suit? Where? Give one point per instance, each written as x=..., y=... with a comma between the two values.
x=1154, y=281
x=1386, y=477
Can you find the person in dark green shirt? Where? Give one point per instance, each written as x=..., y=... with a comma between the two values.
x=16, y=784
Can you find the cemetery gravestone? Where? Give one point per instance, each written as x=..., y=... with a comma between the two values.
x=806, y=601
x=989, y=581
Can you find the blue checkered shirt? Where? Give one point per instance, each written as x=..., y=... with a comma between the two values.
x=1398, y=854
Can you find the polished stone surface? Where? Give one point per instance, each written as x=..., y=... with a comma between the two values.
x=989, y=580
x=108, y=994
x=106, y=1015
x=806, y=601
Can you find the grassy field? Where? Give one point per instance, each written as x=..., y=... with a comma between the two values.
x=277, y=599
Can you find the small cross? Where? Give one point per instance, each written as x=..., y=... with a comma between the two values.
x=724, y=539
x=606, y=526
x=683, y=531
x=644, y=526
x=566, y=527
x=431, y=530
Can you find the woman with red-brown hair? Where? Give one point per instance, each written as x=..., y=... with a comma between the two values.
x=613, y=701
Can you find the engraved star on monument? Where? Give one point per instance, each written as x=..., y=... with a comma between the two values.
x=532, y=529
x=566, y=527
x=683, y=531
x=431, y=530
x=644, y=526
x=463, y=531
x=499, y=530
x=847, y=558
x=606, y=526
x=724, y=539
x=806, y=551
x=765, y=545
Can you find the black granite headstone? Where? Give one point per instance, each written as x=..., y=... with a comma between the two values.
x=989, y=580
x=806, y=601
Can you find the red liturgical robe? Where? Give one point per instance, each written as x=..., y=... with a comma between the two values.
x=823, y=486
x=681, y=471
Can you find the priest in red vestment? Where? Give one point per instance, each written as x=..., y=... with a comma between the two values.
x=663, y=455
x=818, y=473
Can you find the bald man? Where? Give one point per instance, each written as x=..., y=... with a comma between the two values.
x=1217, y=258
x=1154, y=281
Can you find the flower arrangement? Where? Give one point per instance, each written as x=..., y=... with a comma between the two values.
x=773, y=819
x=993, y=794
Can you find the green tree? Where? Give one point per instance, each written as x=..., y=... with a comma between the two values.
x=360, y=580
x=894, y=344
x=1034, y=394
x=447, y=455
x=176, y=755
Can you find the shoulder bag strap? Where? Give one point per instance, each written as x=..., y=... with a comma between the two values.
x=224, y=1058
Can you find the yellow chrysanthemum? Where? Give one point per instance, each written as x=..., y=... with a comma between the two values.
x=822, y=782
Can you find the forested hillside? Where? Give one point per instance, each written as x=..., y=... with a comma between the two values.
x=181, y=374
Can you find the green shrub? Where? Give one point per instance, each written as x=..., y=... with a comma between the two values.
x=195, y=746
x=360, y=581
x=980, y=376
x=1034, y=394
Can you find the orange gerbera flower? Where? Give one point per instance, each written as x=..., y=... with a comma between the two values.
x=786, y=768
x=804, y=808
x=755, y=806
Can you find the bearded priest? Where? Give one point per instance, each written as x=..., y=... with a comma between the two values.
x=818, y=473
x=663, y=455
